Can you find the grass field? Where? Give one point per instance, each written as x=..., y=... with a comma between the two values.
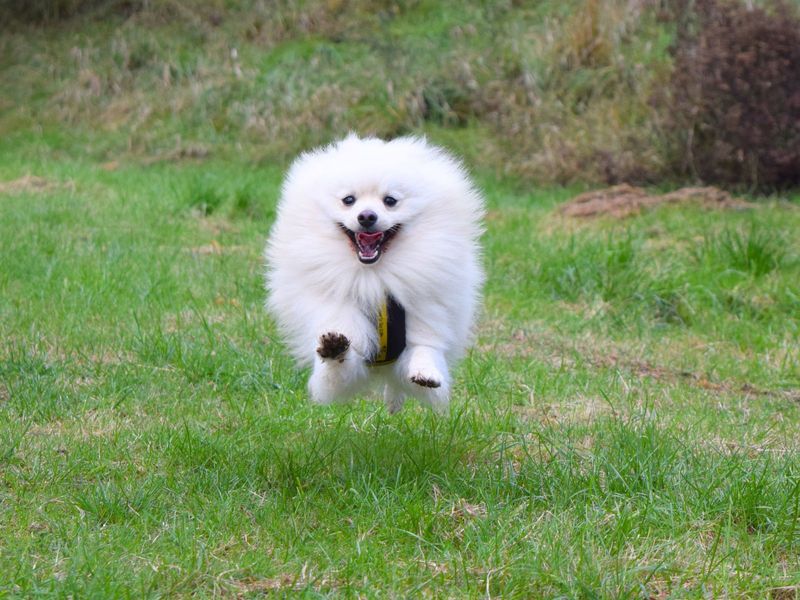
x=627, y=425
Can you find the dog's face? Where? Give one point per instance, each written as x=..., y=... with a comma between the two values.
x=375, y=198
x=371, y=219
x=372, y=191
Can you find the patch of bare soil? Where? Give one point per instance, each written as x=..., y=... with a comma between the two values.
x=213, y=248
x=789, y=592
x=547, y=347
x=27, y=184
x=284, y=583
x=181, y=152
x=625, y=200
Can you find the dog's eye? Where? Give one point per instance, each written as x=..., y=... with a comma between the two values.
x=389, y=201
x=349, y=200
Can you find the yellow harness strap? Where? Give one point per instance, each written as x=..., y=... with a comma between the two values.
x=383, y=333
x=391, y=325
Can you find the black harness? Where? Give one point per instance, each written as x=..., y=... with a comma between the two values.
x=391, y=325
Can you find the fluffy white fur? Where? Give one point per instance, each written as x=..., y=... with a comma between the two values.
x=317, y=284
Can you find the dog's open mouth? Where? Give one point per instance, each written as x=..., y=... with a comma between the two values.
x=370, y=244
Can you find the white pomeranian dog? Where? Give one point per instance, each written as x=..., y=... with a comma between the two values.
x=374, y=268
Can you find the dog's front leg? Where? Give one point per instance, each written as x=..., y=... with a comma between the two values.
x=338, y=369
x=424, y=369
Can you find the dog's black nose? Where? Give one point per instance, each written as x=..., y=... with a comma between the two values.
x=367, y=218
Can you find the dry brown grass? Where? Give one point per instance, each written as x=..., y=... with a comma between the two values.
x=575, y=104
x=555, y=96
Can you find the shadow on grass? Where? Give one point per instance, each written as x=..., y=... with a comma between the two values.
x=343, y=447
x=635, y=462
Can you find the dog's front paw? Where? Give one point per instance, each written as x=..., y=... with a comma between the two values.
x=333, y=345
x=427, y=381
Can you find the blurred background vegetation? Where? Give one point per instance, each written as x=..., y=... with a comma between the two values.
x=581, y=91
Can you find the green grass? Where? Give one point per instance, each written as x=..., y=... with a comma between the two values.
x=626, y=426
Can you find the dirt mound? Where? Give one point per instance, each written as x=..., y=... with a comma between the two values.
x=625, y=200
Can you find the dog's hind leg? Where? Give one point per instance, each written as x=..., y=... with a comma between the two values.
x=394, y=398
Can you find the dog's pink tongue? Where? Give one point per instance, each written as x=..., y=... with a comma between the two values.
x=368, y=242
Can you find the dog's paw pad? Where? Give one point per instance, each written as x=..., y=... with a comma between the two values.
x=427, y=382
x=332, y=345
